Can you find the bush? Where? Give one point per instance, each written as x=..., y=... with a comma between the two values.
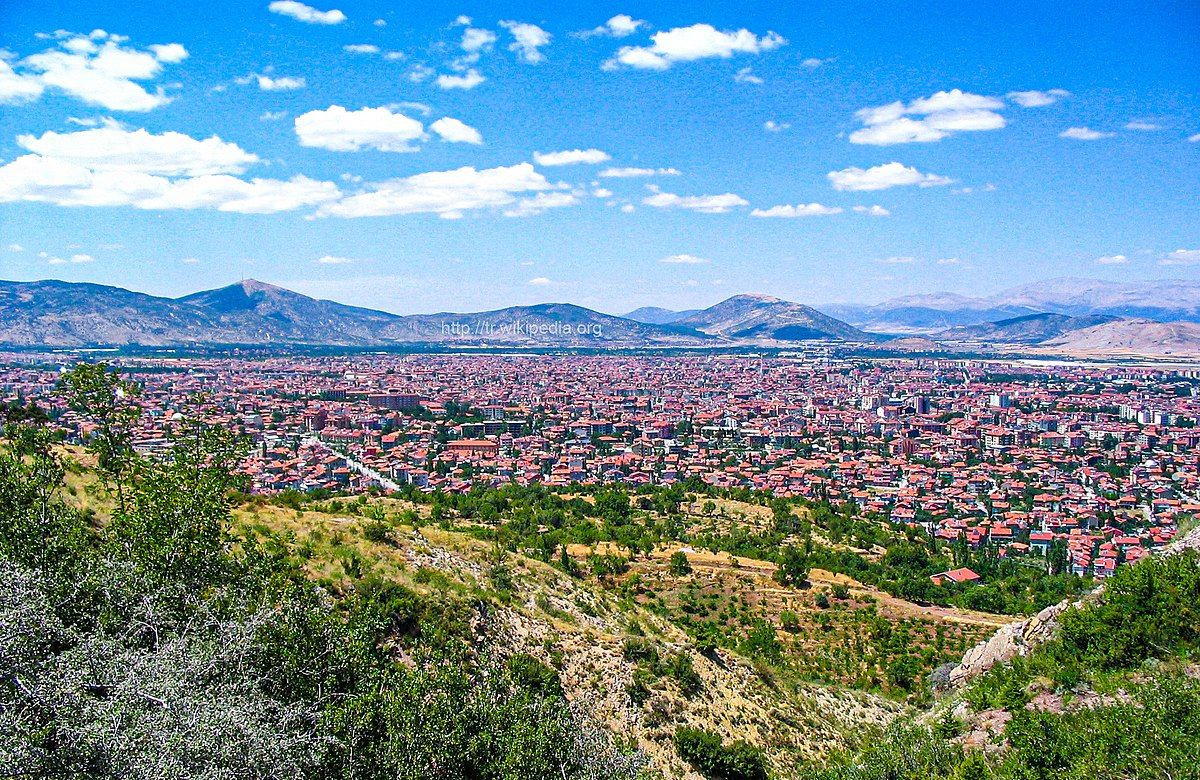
x=717, y=761
x=679, y=564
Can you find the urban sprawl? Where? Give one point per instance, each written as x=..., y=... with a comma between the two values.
x=1101, y=461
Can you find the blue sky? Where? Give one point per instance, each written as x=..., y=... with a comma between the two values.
x=407, y=158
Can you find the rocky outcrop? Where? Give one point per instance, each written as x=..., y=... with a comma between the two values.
x=1011, y=641
x=1020, y=638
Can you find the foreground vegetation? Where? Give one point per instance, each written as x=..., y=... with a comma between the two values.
x=156, y=644
x=1115, y=695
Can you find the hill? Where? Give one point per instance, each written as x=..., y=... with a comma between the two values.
x=1029, y=329
x=1131, y=337
x=763, y=317
x=654, y=315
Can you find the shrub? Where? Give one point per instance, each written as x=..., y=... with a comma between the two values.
x=718, y=761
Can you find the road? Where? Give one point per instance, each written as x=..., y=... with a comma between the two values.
x=354, y=465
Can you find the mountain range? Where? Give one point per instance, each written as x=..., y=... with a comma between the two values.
x=1163, y=300
x=65, y=314
x=1089, y=317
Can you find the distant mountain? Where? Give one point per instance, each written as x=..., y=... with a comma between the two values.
x=1030, y=329
x=547, y=324
x=54, y=313
x=654, y=315
x=263, y=313
x=65, y=314
x=764, y=318
x=1132, y=337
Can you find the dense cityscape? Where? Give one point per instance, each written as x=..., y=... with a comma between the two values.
x=1102, y=459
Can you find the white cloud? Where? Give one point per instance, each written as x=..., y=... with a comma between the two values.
x=815, y=62
x=927, y=119
x=633, y=173
x=114, y=149
x=96, y=69
x=897, y=260
x=469, y=80
x=527, y=207
x=272, y=116
x=190, y=260
x=1033, y=98
x=476, y=40
x=746, y=76
x=685, y=44
x=704, y=204
x=1182, y=257
x=1144, y=126
x=1112, y=260
x=1084, y=134
x=685, y=260
x=339, y=130
x=539, y=281
x=882, y=177
x=361, y=48
x=619, y=26
x=600, y=192
x=454, y=131
x=16, y=88
x=528, y=40
x=949, y=261
x=771, y=126
x=446, y=193
x=111, y=166
x=82, y=258
x=801, y=210
x=306, y=13
x=336, y=260
x=1194, y=138
x=571, y=157
x=280, y=84
x=16, y=248
x=873, y=211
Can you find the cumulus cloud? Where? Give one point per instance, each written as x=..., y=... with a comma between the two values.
x=361, y=48
x=528, y=207
x=454, y=131
x=1112, y=260
x=539, y=281
x=476, y=40
x=98, y=69
x=897, y=260
x=704, y=204
x=801, y=210
x=633, y=173
x=306, y=13
x=114, y=149
x=1138, y=124
x=927, y=119
x=336, y=260
x=873, y=211
x=469, y=80
x=339, y=130
x=685, y=44
x=111, y=166
x=685, y=260
x=619, y=26
x=528, y=40
x=449, y=194
x=1033, y=98
x=771, y=126
x=280, y=83
x=882, y=177
x=746, y=76
x=1182, y=257
x=571, y=157
x=1194, y=138
x=1084, y=134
